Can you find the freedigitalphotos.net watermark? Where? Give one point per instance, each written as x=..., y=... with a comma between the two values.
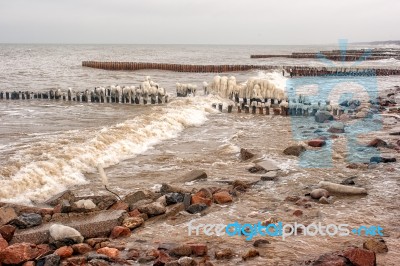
x=280, y=229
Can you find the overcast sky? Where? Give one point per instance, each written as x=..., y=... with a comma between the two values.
x=198, y=21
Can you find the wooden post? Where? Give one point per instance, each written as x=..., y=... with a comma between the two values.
x=220, y=107
x=260, y=110
x=214, y=105
x=266, y=110
x=230, y=108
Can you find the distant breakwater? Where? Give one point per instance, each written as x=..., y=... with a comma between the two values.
x=295, y=70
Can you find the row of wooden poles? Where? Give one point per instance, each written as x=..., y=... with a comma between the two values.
x=338, y=55
x=274, y=109
x=86, y=98
x=297, y=70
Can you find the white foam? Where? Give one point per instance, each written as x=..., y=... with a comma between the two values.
x=64, y=164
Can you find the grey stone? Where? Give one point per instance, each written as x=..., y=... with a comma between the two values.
x=27, y=220
x=196, y=208
x=153, y=209
x=186, y=200
x=56, y=199
x=172, y=198
x=322, y=116
x=267, y=165
x=245, y=154
x=165, y=188
x=336, y=127
x=49, y=260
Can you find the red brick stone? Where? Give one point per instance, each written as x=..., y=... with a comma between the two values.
x=162, y=259
x=7, y=231
x=199, y=249
x=297, y=213
x=222, y=197
x=360, y=257
x=19, y=253
x=64, y=252
x=317, y=143
x=135, y=213
x=120, y=231
x=81, y=248
x=120, y=205
x=110, y=252
x=196, y=199
x=3, y=243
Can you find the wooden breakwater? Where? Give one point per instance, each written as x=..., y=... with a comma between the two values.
x=84, y=97
x=295, y=70
x=339, y=55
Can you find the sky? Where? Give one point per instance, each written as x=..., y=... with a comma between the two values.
x=261, y=22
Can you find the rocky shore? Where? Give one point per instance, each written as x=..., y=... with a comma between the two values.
x=70, y=229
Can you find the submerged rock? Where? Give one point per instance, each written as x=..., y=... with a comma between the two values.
x=192, y=176
x=295, y=150
x=336, y=127
x=377, y=143
x=322, y=116
x=245, y=154
x=378, y=159
x=317, y=143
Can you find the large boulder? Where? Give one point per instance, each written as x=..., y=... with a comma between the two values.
x=322, y=116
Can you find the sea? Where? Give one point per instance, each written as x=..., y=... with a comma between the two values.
x=47, y=146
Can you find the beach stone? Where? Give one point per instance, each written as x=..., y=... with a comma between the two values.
x=135, y=213
x=336, y=127
x=132, y=222
x=196, y=208
x=19, y=253
x=7, y=214
x=187, y=261
x=97, y=256
x=83, y=205
x=153, y=209
x=298, y=213
x=377, y=142
x=224, y=254
x=322, y=116
x=7, y=232
x=269, y=176
x=295, y=150
x=359, y=256
x=251, y=253
x=376, y=245
x=58, y=198
x=201, y=197
x=50, y=260
x=60, y=232
x=64, y=252
x=193, y=175
x=261, y=243
x=29, y=263
x=316, y=143
x=198, y=249
x=109, y=252
x=162, y=200
x=120, y=205
x=181, y=250
x=245, y=154
x=95, y=241
x=162, y=259
x=63, y=207
x=348, y=181
x=378, y=159
x=133, y=254
x=292, y=198
x=362, y=114
x=324, y=200
x=3, y=243
x=222, y=197
x=165, y=188
x=136, y=196
x=267, y=165
x=27, y=220
x=120, y=231
x=318, y=193
x=81, y=248
x=330, y=260
x=173, y=198
x=140, y=203
x=187, y=198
